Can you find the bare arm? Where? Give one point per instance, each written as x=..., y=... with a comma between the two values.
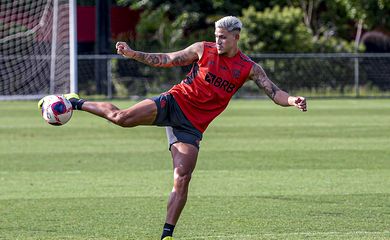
x=180, y=58
x=279, y=96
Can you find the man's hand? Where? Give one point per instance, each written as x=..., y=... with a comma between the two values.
x=123, y=49
x=299, y=102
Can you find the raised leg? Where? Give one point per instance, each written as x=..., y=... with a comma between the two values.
x=142, y=113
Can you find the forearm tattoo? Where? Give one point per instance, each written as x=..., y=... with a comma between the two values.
x=263, y=82
x=162, y=59
x=152, y=59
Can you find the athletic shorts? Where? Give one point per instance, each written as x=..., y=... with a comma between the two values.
x=178, y=127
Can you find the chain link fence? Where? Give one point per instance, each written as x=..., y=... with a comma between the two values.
x=311, y=75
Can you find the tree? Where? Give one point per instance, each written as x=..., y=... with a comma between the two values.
x=283, y=30
x=195, y=18
x=274, y=30
x=374, y=13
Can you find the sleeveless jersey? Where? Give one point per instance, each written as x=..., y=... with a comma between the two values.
x=209, y=86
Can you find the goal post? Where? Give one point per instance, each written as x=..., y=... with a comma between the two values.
x=73, y=46
x=38, y=48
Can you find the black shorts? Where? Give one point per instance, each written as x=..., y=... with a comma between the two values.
x=178, y=127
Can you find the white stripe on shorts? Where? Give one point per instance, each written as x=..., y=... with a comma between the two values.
x=171, y=137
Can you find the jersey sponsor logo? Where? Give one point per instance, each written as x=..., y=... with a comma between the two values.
x=163, y=103
x=163, y=99
x=236, y=73
x=224, y=68
x=211, y=62
x=219, y=82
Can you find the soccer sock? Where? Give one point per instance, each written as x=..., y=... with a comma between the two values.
x=167, y=230
x=76, y=103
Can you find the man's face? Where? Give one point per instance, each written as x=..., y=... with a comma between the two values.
x=225, y=40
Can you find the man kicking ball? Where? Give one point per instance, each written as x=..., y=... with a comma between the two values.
x=219, y=69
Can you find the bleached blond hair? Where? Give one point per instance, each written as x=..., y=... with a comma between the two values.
x=230, y=23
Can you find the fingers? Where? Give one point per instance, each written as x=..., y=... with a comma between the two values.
x=121, y=45
x=122, y=48
x=300, y=103
x=118, y=43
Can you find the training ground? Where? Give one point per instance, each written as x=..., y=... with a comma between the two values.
x=264, y=172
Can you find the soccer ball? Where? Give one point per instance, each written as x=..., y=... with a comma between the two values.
x=56, y=110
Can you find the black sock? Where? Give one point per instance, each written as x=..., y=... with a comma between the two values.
x=167, y=230
x=76, y=103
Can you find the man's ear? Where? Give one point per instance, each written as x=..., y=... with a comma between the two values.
x=237, y=36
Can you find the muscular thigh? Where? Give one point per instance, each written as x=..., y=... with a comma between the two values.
x=184, y=157
x=142, y=113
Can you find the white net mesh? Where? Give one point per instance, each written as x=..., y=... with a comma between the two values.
x=34, y=48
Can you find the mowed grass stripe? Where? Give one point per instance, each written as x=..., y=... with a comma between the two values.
x=299, y=216
x=208, y=160
x=230, y=143
x=303, y=235
x=16, y=185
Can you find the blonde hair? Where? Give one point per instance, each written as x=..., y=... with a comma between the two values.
x=230, y=23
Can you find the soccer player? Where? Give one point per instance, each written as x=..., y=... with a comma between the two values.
x=219, y=69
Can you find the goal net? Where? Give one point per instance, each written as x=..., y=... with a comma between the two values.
x=34, y=48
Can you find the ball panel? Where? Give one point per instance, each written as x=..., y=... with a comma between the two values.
x=56, y=110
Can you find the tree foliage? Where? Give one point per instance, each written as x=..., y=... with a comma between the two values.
x=374, y=13
x=275, y=30
x=271, y=26
x=282, y=30
x=167, y=34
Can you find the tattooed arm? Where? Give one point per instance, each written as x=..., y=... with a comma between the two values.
x=280, y=97
x=179, y=58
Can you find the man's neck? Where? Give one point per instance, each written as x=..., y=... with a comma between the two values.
x=231, y=53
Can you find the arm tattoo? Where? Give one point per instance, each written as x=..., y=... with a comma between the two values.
x=163, y=59
x=152, y=59
x=180, y=60
x=263, y=81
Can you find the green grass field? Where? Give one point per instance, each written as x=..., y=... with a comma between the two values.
x=264, y=172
